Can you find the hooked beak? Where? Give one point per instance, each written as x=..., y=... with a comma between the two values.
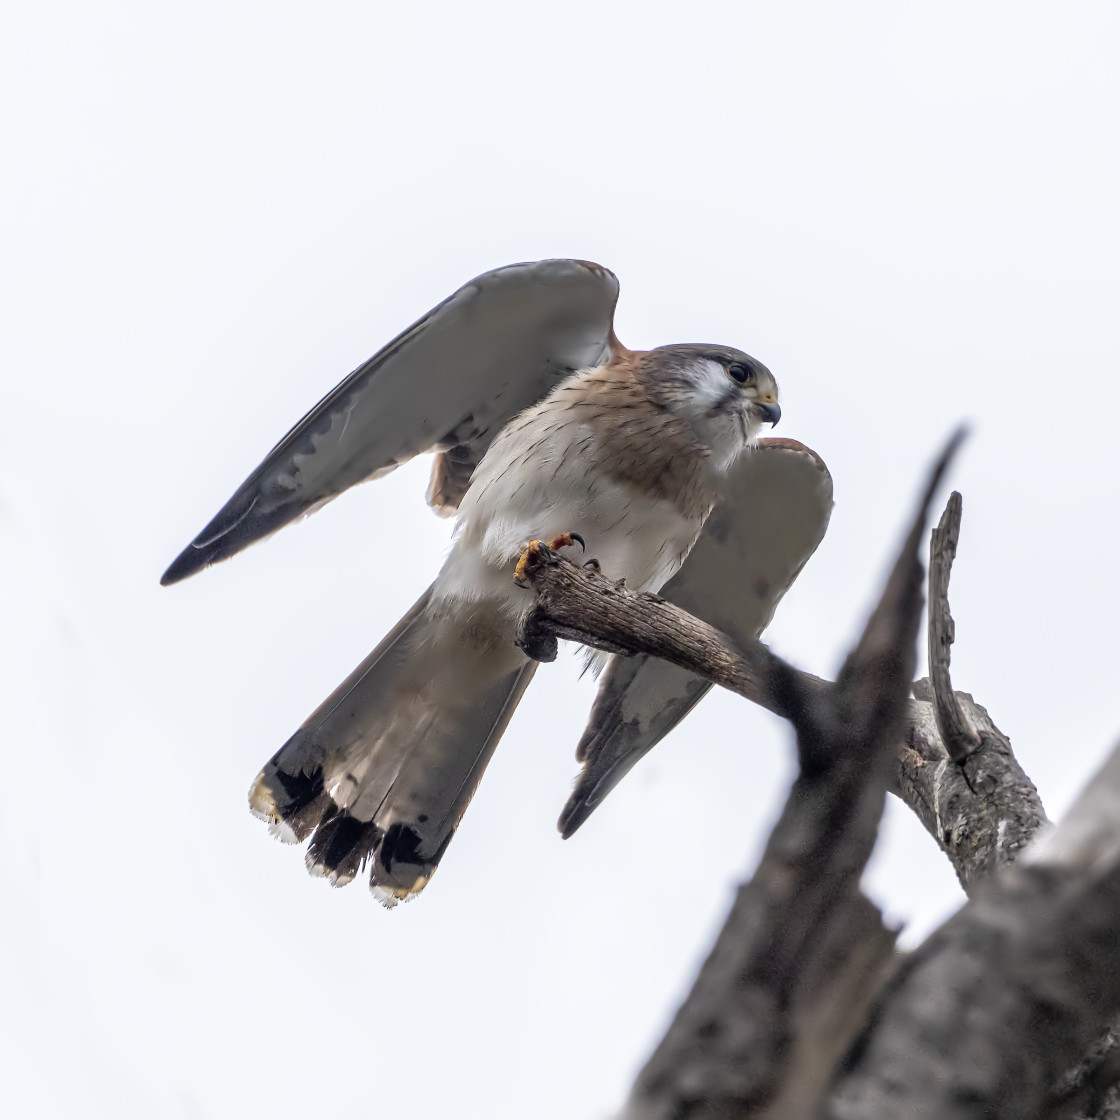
x=771, y=412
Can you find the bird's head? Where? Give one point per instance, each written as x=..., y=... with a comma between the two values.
x=725, y=394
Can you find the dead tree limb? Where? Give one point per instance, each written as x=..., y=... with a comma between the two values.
x=958, y=735
x=988, y=1014
x=582, y=605
x=964, y=783
x=984, y=810
x=802, y=952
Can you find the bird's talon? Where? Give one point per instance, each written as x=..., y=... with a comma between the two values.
x=566, y=539
x=534, y=548
x=593, y=565
x=521, y=572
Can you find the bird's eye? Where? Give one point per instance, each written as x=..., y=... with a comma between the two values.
x=740, y=372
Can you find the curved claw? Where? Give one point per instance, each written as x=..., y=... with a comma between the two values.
x=593, y=565
x=566, y=539
x=535, y=548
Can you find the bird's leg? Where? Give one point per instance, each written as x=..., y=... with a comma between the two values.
x=520, y=574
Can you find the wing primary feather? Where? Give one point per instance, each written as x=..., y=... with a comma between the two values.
x=487, y=352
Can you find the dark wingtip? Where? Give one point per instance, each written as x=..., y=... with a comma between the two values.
x=189, y=561
x=593, y=784
x=229, y=531
x=575, y=813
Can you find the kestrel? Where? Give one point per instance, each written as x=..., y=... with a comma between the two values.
x=545, y=428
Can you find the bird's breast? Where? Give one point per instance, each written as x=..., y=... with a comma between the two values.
x=595, y=458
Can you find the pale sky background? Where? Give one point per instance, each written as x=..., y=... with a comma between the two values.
x=212, y=212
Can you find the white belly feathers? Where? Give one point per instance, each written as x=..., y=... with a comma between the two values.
x=515, y=498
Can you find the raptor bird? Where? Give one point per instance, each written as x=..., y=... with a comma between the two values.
x=545, y=428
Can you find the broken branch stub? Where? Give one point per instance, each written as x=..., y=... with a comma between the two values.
x=957, y=733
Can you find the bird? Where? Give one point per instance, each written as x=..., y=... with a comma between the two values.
x=546, y=430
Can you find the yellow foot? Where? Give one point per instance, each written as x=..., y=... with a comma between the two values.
x=521, y=572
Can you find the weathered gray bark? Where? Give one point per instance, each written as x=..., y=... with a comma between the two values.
x=958, y=734
x=964, y=782
x=1002, y=1013
x=982, y=812
x=986, y=1018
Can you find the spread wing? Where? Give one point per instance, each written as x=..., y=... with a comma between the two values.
x=448, y=383
x=753, y=546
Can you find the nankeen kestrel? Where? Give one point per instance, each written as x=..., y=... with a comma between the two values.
x=545, y=428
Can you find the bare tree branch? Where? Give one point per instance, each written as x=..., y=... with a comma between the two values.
x=983, y=812
x=989, y=1013
x=582, y=605
x=958, y=735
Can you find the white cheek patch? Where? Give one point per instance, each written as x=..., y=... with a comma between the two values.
x=711, y=382
x=727, y=431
